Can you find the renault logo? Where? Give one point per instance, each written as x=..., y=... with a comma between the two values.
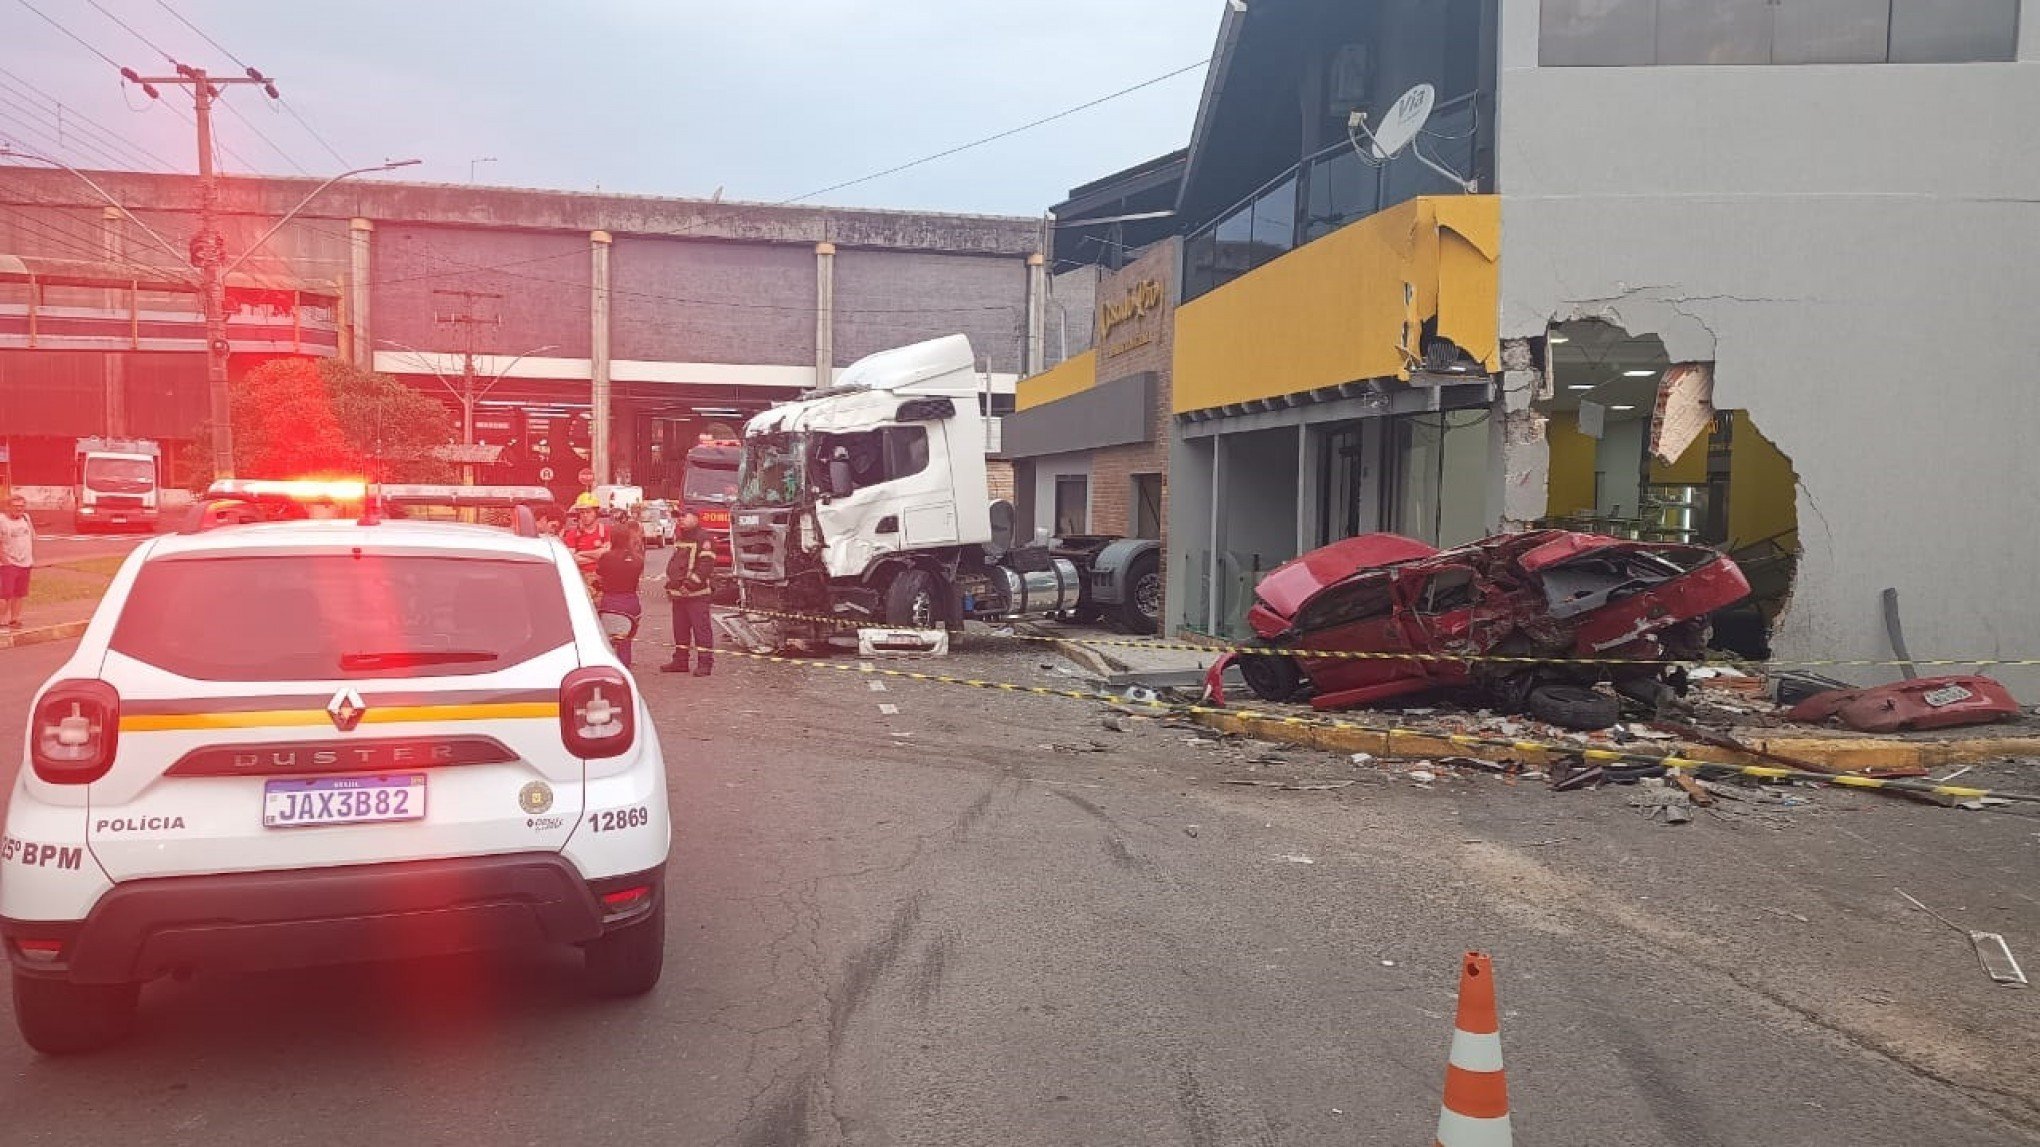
x=346, y=709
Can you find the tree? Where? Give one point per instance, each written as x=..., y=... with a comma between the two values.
x=285, y=425
x=294, y=417
x=394, y=427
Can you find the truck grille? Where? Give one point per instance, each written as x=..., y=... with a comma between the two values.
x=759, y=541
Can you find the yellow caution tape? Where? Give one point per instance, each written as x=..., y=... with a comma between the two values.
x=1668, y=761
x=1371, y=655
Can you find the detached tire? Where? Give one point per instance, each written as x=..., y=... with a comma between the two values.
x=57, y=1017
x=1573, y=707
x=1140, y=611
x=1272, y=676
x=628, y=961
x=913, y=600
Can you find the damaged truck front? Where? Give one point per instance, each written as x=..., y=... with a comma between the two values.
x=1530, y=621
x=867, y=503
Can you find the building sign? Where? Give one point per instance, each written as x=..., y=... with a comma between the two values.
x=1123, y=325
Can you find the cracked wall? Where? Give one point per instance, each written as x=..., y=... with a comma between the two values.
x=1861, y=274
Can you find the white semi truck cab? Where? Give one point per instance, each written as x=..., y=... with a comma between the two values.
x=868, y=501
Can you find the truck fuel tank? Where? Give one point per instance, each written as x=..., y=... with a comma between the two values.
x=1036, y=592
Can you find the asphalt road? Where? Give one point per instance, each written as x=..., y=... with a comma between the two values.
x=960, y=924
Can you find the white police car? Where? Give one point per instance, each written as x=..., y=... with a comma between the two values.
x=305, y=742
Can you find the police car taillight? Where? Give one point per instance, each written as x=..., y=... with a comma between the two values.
x=74, y=731
x=598, y=715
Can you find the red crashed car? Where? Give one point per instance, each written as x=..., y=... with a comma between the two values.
x=1542, y=594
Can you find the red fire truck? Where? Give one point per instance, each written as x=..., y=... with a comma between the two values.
x=709, y=488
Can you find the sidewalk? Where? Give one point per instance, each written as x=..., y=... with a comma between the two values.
x=61, y=598
x=56, y=621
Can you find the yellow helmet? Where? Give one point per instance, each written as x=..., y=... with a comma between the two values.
x=587, y=502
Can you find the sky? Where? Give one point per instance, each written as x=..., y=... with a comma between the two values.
x=765, y=100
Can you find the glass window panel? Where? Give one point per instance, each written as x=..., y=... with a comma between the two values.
x=1234, y=254
x=1831, y=31
x=1275, y=221
x=1343, y=187
x=1200, y=263
x=1714, y=32
x=1961, y=31
x=1598, y=32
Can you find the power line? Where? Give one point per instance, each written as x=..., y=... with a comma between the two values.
x=223, y=50
x=148, y=43
x=113, y=138
x=250, y=124
x=231, y=109
x=1011, y=131
x=111, y=151
x=12, y=109
x=73, y=35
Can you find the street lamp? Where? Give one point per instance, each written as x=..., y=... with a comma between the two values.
x=293, y=212
x=466, y=393
x=212, y=290
x=15, y=151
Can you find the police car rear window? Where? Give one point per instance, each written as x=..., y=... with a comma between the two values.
x=322, y=616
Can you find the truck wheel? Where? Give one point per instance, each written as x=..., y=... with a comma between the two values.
x=1271, y=676
x=1573, y=707
x=628, y=961
x=57, y=1017
x=1141, y=610
x=913, y=600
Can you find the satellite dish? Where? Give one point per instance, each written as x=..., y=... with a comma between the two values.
x=1404, y=120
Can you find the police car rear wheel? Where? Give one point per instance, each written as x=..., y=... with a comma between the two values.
x=57, y=1017
x=628, y=961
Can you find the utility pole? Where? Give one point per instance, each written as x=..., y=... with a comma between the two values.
x=468, y=321
x=208, y=246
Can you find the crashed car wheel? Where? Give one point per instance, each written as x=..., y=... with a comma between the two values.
x=1271, y=677
x=1573, y=707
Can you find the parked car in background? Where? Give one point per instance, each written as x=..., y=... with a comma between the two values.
x=658, y=522
x=1411, y=611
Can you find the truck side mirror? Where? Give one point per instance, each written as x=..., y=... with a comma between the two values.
x=841, y=484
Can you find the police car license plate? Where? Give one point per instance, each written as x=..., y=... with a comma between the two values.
x=342, y=800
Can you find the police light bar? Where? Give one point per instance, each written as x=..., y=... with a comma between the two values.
x=465, y=496
x=292, y=490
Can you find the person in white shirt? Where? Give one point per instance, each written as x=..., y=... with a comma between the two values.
x=17, y=557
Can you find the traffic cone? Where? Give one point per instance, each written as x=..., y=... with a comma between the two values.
x=1476, y=1110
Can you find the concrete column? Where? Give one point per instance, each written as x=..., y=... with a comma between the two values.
x=112, y=241
x=359, y=269
x=825, y=314
x=1519, y=457
x=1215, y=600
x=1306, y=488
x=598, y=356
x=1037, y=314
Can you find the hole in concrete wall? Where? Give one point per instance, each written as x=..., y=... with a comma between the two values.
x=1723, y=484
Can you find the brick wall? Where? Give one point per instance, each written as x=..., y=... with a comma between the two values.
x=1143, y=344
x=999, y=478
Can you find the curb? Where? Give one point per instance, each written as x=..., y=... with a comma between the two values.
x=63, y=631
x=1837, y=752
x=1091, y=659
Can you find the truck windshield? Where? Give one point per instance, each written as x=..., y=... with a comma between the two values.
x=120, y=475
x=710, y=481
x=774, y=470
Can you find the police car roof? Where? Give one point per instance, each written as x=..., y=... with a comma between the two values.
x=339, y=534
